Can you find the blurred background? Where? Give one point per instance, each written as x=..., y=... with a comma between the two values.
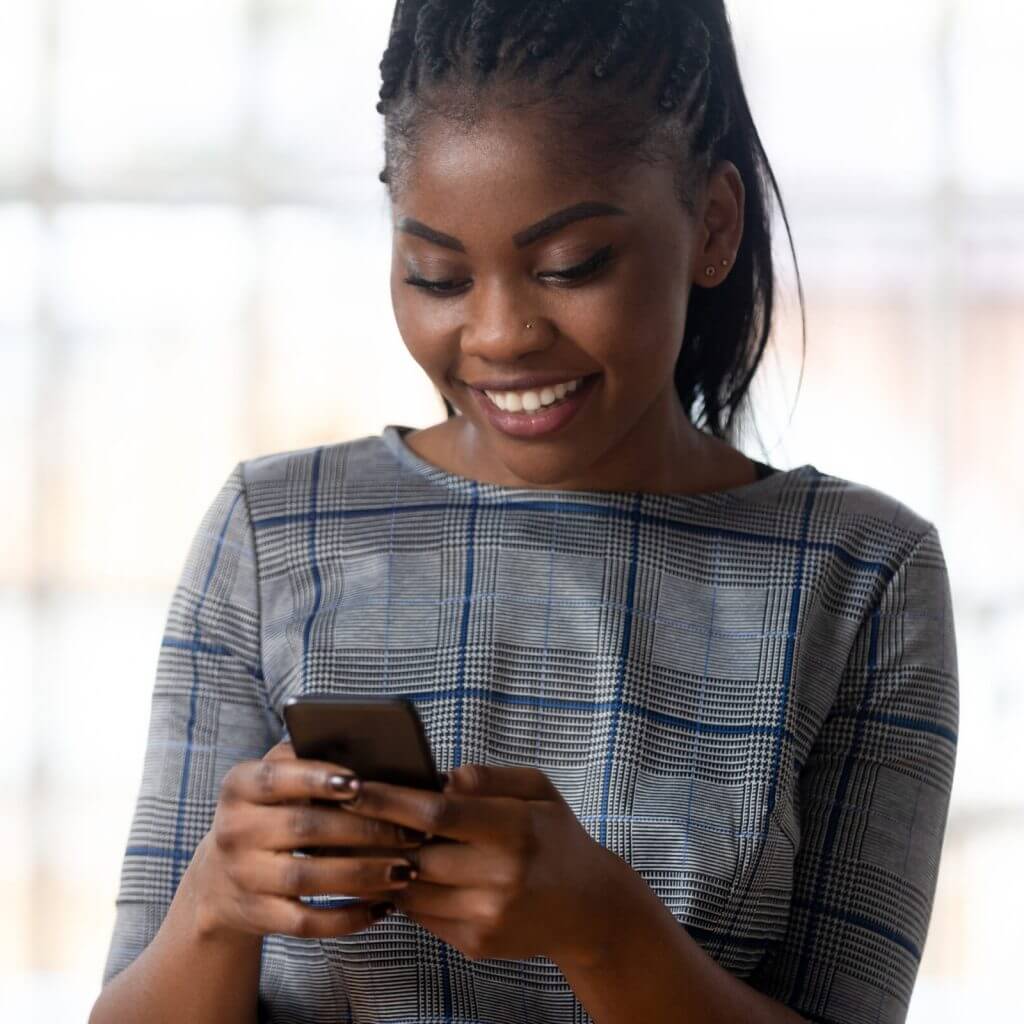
x=194, y=253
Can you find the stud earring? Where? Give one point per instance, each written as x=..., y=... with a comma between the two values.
x=529, y=326
x=710, y=271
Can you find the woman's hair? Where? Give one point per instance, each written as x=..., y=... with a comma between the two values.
x=621, y=80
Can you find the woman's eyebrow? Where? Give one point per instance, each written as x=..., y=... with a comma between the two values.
x=548, y=226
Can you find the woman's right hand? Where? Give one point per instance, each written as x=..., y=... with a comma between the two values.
x=245, y=877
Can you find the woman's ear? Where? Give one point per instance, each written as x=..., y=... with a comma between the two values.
x=720, y=225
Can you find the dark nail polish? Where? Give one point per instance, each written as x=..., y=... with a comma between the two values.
x=399, y=873
x=346, y=785
x=378, y=910
x=411, y=835
x=445, y=779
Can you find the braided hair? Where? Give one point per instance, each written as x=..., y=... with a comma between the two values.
x=649, y=79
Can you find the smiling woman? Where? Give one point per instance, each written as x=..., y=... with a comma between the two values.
x=699, y=714
x=636, y=180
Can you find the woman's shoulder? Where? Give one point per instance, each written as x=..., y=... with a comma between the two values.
x=861, y=509
x=301, y=465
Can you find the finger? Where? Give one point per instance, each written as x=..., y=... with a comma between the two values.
x=442, y=901
x=463, y=864
x=296, y=826
x=448, y=814
x=281, y=874
x=281, y=751
x=503, y=780
x=275, y=915
x=279, y=778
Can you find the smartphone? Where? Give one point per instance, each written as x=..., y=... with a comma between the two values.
x=381, y=739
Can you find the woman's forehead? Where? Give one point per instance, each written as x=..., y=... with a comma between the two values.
x=480, y=214
x=506, y=155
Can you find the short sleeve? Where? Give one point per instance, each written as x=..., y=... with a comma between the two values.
x=874, y=798
x=208, y=712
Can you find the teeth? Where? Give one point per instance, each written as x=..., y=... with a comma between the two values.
x=531, y=401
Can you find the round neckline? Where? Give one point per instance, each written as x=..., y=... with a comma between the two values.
x=393, y=437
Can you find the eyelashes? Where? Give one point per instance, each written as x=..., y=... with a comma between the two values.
x=582, y=270
x=571, y=275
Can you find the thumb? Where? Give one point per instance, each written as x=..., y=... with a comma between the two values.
x=459, y=780
x=519, y=781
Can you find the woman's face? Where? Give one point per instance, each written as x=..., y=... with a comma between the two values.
x=619, y=316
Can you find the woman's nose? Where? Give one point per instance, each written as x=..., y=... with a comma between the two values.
x=495, y=327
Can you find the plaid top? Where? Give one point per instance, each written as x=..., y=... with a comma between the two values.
x=751, y=696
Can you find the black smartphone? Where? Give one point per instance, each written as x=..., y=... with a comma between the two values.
x=381, y=739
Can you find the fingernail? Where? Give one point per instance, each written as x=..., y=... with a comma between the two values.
x=411, y=835
x=347, y=786
x=401, y=873
x=445, y=779
x=378, y=910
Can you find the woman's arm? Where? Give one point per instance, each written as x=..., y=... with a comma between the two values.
x=652, y=970
x=209, y=710
x=874, y=800
x=186, y=973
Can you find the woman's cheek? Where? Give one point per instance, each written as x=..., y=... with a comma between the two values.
x=603, y=327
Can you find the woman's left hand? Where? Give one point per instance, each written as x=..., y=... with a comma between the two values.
x=523, y=877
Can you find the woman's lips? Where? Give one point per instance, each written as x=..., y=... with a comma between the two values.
x=543, y=421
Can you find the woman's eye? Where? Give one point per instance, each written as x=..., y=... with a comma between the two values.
x=438, y=287
x=582, y=270
x=577, y=273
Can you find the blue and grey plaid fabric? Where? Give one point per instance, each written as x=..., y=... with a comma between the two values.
x=750, y=696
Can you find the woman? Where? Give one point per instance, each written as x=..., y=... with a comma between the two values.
x=699, y=714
